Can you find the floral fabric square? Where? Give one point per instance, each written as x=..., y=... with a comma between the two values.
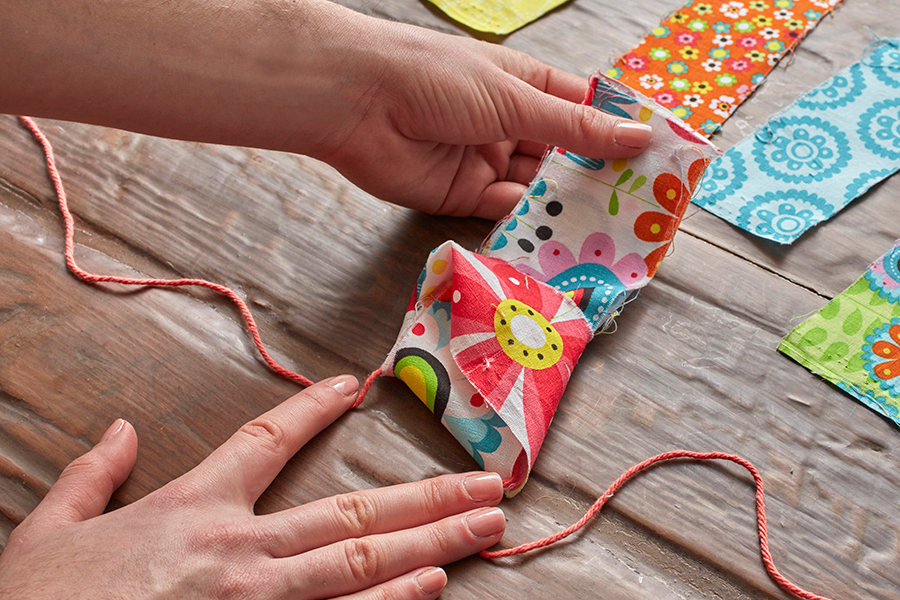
x=496, y=16
x=854, y=341
x=704, y=59
x=597, y=229
x=489, y=350
x=813, y=158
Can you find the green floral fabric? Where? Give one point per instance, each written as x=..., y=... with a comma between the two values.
x=854, y=341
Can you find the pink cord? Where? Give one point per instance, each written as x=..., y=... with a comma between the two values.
x=93, y=278
x=365, y=388
x=623, y=479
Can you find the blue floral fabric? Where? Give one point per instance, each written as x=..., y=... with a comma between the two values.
x=813, y=158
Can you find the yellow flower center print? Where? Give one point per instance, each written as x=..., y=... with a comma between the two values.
x=526, y=336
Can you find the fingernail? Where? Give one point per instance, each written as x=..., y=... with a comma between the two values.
x=431, y=581
x=632, y=135
x=484, y=487
x=345, y=384
x=115, y=428
x=486, y=522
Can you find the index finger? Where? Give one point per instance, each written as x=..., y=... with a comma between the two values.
x=561, y=84
x=541, y=76
x=545, y=104
x=244, y=466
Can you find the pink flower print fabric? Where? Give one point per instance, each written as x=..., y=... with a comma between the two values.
x=597, y=229
x=489, y=350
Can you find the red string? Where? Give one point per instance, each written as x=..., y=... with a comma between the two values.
x=93, y=278
x=623, y=479
x=365, y=388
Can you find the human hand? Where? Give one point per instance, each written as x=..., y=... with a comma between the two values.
x=451, y=125
x=197, y=537
x=440, y=123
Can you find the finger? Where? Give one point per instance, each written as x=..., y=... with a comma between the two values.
x=423, y=584
x=563, y=85
x=498, y=199
x=529, y=148
x=545, y=78
x=85, y=486
x=358, y=564
x=533, y=115
x=244, y=466
x=522, y=168
x=370, y=512
x=479, y=167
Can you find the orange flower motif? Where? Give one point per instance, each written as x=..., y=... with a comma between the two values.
x=891, y=368
x=673, y=196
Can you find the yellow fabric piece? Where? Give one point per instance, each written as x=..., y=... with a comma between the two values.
x=496, y=16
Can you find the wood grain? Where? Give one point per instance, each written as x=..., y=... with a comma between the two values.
x=328, y=270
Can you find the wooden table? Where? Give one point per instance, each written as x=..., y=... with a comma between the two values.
x=328, y=271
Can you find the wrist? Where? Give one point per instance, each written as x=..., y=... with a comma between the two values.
x=274, y=74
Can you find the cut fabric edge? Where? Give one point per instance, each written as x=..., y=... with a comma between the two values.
x=710, y=129
x=816, y=368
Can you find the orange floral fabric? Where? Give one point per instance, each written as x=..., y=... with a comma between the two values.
x=706, y=58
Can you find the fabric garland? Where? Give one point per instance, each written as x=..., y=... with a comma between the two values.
x=490, y=339
x=496, y=16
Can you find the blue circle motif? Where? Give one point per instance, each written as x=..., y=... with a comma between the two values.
x=879, y=128
x=885, y=63
x=784, y=215
x=838, y=91
x=864, y=181
x=722, y=178
x=887, y=284
x=881, y=334
x=801, y=149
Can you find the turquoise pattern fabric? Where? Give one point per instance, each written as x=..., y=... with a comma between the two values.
x=813, y=158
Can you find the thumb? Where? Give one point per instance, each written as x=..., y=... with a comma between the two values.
x=85, y=486
x=545, y=118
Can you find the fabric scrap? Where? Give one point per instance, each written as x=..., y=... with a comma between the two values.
x=706, y=58
x=854, y=340
x=597, y=229
x=494, y=16
x=813, y=158
x=489, y=350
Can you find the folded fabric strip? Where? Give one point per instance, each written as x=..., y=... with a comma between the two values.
x=813, y=158
x=854, y=341
x=598, y=229
x=706, y=58
x=490, y=340
x=496, y=16
x=489, y=350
